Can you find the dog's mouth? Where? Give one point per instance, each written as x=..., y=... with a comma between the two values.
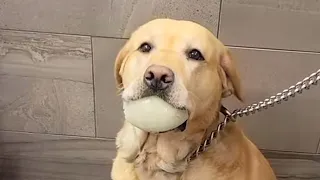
x=162, y=96
x=165, y=98
x=180, y=128
x=183, y=126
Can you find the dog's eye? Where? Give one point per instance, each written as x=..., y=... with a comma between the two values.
x=195, y=55
x=145, y=47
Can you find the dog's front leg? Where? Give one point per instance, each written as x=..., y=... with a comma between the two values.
x=128, y=141
x=122, y=169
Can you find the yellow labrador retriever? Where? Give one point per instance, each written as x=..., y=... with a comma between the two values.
x=191, y=69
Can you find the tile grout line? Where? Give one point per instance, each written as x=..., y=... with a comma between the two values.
x=61, y=33
x=318, y=148
x=93, y=89
x=273, y=49
x=285, y=151
x=63, y=135
x=110, y=37
x=37, y=77
x=219, y=19
x=112, y=139
x=43, y=32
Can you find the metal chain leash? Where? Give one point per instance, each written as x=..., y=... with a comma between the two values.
x=305, y=84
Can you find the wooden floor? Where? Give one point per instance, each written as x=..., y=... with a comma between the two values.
x=29, y=156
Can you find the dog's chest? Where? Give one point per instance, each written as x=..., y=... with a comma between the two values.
x=150, y=165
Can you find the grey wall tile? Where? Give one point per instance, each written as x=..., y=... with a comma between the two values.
x=295, y=169
x=270, y=154
x=25, y=156
x=46, y=55
x=280, y=24
x=293, y=125
x=101, y=17
x=294, y=166
x=109, y=115
x=46, y=83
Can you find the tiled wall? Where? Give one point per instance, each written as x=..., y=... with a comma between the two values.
x=58, y=96
x=277, y=43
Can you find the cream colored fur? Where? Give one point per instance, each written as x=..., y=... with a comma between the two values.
x=199, y=86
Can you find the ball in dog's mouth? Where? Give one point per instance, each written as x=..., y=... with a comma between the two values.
x=153, y=114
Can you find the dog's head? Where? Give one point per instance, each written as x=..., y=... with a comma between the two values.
x=181, y=62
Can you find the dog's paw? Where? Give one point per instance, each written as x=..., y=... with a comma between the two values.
x=123, y=170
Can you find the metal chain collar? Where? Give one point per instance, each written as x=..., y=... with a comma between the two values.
x=305, y=84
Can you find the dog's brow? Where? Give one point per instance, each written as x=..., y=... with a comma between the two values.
x=194, y=45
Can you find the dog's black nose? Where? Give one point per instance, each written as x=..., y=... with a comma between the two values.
x=158, y=77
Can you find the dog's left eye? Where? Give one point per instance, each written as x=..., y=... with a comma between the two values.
x=145, y=47
x=195, y=55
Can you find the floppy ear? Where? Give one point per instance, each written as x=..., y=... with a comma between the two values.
x=118, y=66
x=230, y=76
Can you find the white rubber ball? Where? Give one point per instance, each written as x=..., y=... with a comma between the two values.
x=152, y=114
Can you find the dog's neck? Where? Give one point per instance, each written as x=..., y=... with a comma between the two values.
x=169, y=152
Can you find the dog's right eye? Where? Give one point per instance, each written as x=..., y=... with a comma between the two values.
x=145, y=47
x=195, y=55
